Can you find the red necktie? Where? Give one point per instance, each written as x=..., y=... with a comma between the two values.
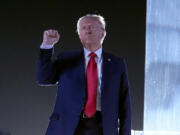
x=92, y=79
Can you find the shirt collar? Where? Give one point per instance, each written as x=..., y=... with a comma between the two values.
x=98, y=52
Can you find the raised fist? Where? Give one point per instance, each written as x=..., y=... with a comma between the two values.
x=50, y=37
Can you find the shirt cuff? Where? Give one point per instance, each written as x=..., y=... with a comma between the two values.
x=46, y=46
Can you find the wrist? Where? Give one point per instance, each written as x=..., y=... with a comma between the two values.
x=49, y=46
x=46, y=43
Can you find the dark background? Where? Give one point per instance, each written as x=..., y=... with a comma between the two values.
x=25, y=106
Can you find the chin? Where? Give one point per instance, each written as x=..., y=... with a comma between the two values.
x=87, y=42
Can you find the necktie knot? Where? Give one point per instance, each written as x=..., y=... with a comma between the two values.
x=92, y=55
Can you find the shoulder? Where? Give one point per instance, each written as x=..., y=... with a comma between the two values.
x=70, y=54
x=113, y=57
x=117, y=60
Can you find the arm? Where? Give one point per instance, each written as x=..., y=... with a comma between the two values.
x=47, y=70
x=124, y=104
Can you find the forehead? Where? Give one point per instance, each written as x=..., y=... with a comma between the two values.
x=89, y=20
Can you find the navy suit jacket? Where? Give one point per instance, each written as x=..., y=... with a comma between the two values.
x=68, y=72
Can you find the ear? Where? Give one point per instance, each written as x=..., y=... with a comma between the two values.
x=103, y=34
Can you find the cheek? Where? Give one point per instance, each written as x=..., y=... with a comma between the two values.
x=99, y=34
x=80, y=36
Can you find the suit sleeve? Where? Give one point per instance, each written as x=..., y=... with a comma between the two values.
x=124, y=103
x=47, y=70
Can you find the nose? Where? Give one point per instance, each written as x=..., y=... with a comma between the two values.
x=89, y=30
x=89, y=27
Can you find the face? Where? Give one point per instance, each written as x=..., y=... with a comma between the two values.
x=91, y=31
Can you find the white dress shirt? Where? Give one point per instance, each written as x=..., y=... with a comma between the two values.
x=98, y=60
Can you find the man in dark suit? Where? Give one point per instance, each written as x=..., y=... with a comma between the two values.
x=93, y=92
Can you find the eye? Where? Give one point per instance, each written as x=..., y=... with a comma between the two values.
x=83, y=27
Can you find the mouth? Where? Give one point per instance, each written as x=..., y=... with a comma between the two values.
x=88, y=33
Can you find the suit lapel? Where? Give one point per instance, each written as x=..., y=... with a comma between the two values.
x=106, y=71
x=81, y=71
